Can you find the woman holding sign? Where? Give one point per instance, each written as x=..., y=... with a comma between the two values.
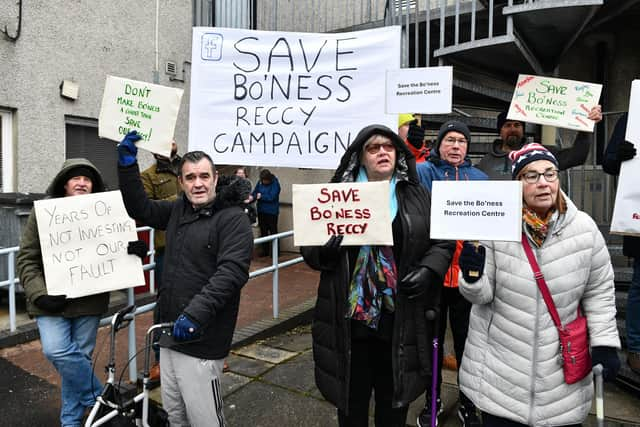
x=374, y=317
x=514, y=367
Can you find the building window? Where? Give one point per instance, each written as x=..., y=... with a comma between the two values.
x=6, y=151
x=82, y=141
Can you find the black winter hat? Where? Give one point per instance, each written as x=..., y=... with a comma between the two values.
x=79, y=171
x=453, y=126
x=502, y=119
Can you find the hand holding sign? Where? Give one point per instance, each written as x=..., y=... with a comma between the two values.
x=127, y=150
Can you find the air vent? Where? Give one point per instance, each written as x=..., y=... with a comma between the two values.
x=170, y=68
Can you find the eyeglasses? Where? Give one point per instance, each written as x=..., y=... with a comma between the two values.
x=452, y=141
x=374, y=148
x=532, y=177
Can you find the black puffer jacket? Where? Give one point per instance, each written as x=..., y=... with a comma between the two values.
x=207, y=257
x=412, y=334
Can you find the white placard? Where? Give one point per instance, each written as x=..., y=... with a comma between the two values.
x=626, y=210
x=84, y=244
x=263, y=98
x=420, y=90
x=555, y=102
x=476, y=210
x=150, y=109
x=358, y=210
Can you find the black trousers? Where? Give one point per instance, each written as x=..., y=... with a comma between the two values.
x=268, y=225
x=489, y=420
x=452, y=303
x=371, y=370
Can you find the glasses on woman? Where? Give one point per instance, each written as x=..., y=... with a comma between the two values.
x=532, y=177
x=374, y=148
x=452, y=141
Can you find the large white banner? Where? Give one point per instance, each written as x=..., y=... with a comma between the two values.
x=355, y=210
x=626, y=211
x=267, y=98
x=84, y=244
x=476, y=210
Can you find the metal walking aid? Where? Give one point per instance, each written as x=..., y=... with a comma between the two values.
x=597, y=374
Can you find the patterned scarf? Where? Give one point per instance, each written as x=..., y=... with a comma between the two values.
x=538, y=227
x=373, y=285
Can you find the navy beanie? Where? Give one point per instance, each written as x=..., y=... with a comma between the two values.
x=502, y=119
x=453, y=126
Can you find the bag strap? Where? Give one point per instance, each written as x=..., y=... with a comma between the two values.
x=542, y=285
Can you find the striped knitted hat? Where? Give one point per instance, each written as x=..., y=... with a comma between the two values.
x=527, y=154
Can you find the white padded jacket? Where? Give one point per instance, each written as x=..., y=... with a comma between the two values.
x=511, y=366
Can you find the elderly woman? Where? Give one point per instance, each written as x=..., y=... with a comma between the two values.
x=373, y=321
x=511, y=366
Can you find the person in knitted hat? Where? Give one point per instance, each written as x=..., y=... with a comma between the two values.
x=449, y=162
x=413, y=136
x=510, y=366
x=496, y=163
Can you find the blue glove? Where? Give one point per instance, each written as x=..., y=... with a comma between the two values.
x=608, y=358
x=127, y=150
x=471, y=261
x=185, y=329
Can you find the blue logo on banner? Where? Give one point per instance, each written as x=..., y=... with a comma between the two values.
x=211, y=47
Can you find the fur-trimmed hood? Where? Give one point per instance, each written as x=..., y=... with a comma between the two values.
x=56, y=187
x=231, y=191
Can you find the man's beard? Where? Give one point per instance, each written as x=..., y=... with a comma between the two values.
x=512, y=141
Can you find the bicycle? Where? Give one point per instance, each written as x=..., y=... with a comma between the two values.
x=109, y=409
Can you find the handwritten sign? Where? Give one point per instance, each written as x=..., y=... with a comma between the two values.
x=84, y=244
x=556, y=102
x=266, y=98
x=420, y=90
x=359, y=211
x=476, y=210
x=150, y=109
x=626, y=210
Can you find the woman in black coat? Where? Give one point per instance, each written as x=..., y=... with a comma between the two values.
x=373, y=321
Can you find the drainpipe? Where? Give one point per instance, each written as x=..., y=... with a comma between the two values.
x=156, y=70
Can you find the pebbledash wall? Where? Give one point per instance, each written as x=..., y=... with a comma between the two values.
x=82, y=41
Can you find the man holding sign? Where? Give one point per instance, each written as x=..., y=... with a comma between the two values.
x=67, y=326
x=207, y=256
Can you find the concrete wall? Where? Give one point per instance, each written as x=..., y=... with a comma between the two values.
x=83, y=41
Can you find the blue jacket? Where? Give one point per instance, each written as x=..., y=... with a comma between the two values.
x=269, y=201
x=436, y=169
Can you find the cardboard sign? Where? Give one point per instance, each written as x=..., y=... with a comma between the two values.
x=359, y=211
x=476, y=210
x=555, y=102
x=84, y=244
x=420, y=90
x=150, y=109
x=626, y=210
x=263, y=98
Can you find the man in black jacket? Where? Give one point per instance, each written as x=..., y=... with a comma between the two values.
x=207, y=256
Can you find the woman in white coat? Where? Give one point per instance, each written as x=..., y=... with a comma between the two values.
x=511, y=367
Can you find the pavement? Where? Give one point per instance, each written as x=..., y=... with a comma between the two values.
x=270, y=382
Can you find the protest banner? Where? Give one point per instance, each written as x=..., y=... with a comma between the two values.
x=626, y=210
x=150, y=109
x=420, y=90
x=476, y=210
x=84, y=244
x=555, y=102
x=263, y=98
x=356, y=210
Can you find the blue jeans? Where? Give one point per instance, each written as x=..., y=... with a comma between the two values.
x=633, y=309
x=68, y=344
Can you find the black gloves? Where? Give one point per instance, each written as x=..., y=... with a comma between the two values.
x=51, y=303
x=471, y=261
x=416, y=282
x=415, y=135
x=608, y=358
x=626, y=151
x=138, y=247
x=331, y=249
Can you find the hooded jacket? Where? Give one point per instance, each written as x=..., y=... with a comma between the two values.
x=29, y=260
x=207, y=257
x=411, y=333
x=497, y=166
x=511, y=363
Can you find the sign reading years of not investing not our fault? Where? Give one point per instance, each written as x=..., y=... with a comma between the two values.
x=555, y=102
x=84, y=244
x=150, y=109
x=420, y=90
x=264, y=98
x=476, y=210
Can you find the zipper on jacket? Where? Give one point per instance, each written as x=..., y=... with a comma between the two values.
x=347, y=374
x=534, y=359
